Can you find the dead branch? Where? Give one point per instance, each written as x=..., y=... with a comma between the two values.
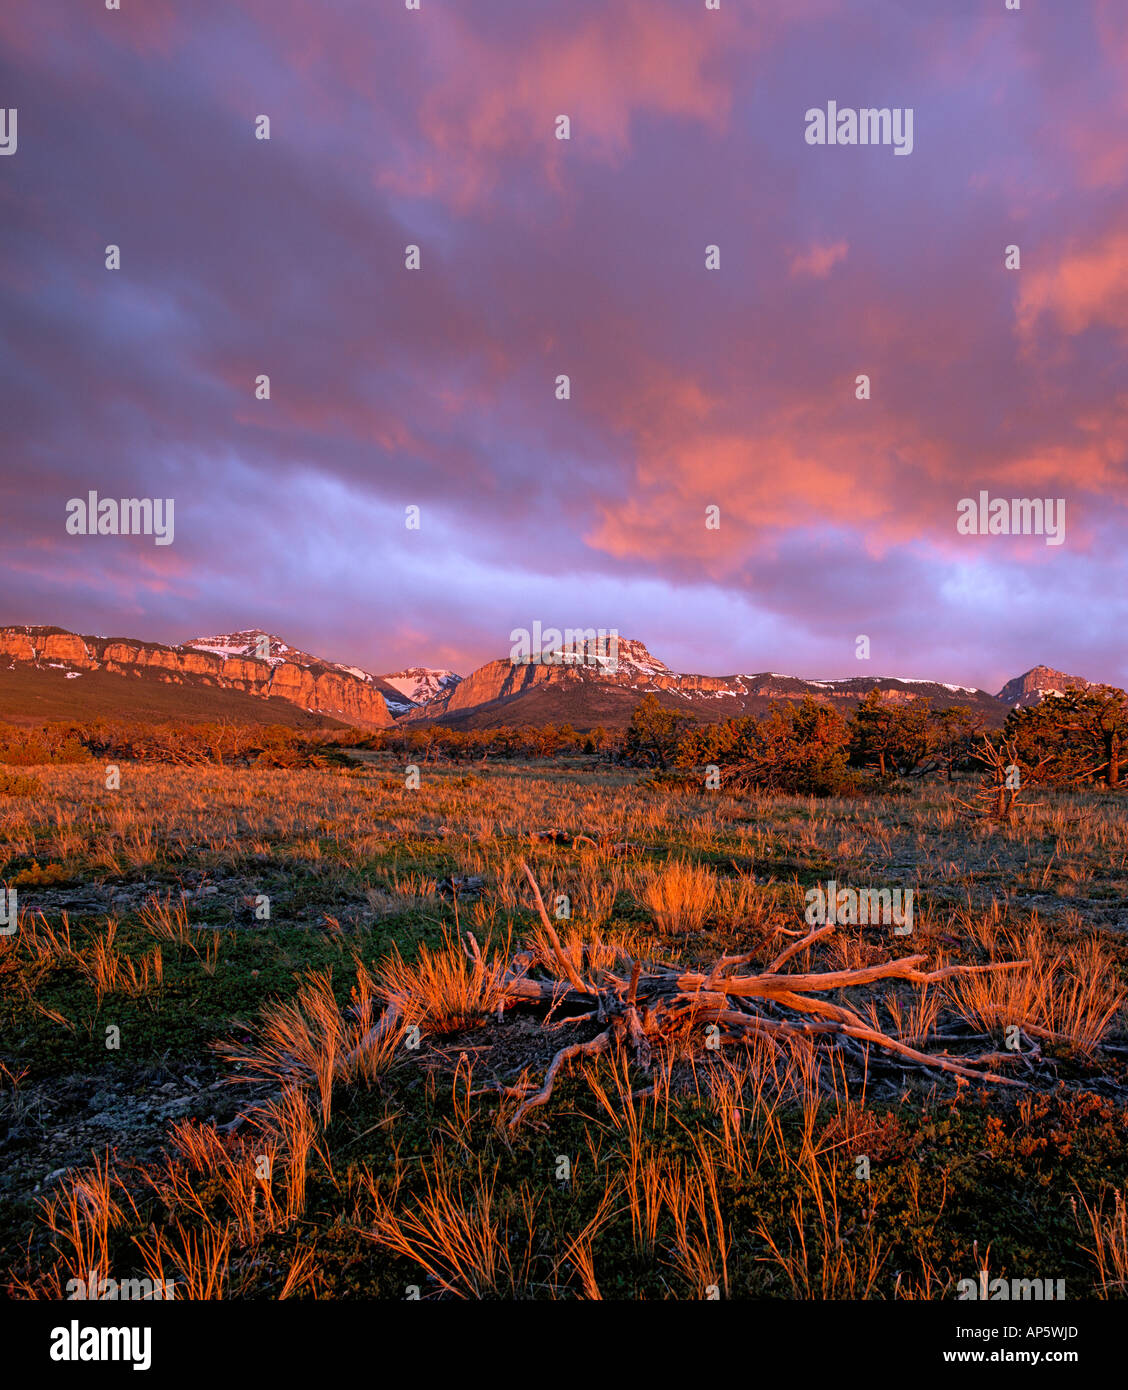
x=650, y=1003
x=565, y=964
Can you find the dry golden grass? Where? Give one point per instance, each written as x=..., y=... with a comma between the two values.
x=292, y=1121
x=578, y=1254
x=913, y=1020
x=444, y=991
x=598, y=885
x=302, y=1273
x=587, y=949
x=240, y=1173
x=109, y=972
x=237, y=811
x=79, y=1218
x=820, y=1259
x=750, y=1098
x=310, y=1041
x=680, y=895
x=455, y=1232
x=37, y=940
x=1109, y=1230
x=167, y=921
x=1070, y=998
x=474, y=1235
x=691, y=1193
x=194, y=1260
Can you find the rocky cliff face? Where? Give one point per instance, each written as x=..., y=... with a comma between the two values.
x=1036, y=684
x=497, y=680
x=315, y=686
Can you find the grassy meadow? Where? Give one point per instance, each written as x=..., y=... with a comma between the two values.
x=194, y=1086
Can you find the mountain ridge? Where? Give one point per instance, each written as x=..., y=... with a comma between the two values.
x=316, y=687
x=557, y=685
x=585, y=686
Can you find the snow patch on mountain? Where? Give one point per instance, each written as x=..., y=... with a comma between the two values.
x=420, y=685
x=249, y=643
x=246, y=644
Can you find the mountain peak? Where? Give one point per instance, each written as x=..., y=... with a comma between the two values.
x=1035, y=685
x=608, y=653
x=419, y=685
x=636, y=655
x=252, y=643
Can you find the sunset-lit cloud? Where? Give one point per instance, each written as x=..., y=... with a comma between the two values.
x=818, y=260
x=689, y=387
x=1086, y=286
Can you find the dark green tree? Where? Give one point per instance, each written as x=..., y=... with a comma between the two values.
x=654, y=733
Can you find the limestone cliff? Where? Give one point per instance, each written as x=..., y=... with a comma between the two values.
x=308, y=683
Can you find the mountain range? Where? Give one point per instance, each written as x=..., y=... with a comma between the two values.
x=255, y=677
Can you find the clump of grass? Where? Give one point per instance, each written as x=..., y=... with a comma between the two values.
x=912, y=1022
x=194, y=1261
x=821, y=1256
x=691, y=1193
x=679, y=895
x=445, y=990
x=166, y=921
x=311, y=1041
x=43, y=944
x=587, y=949
x=79, y=1217
x=112, y=973
x=414, y=886
x=169, y=922
x=597, y=888
x=383, y=903
x=1070, y=998
x=259, y=1180
x=456, y=1232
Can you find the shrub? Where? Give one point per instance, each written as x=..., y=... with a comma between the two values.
x=11, y=784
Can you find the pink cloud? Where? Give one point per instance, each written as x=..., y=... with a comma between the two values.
x=818, y=260
x=1087, y=286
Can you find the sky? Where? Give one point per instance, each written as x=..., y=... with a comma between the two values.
x=690, y=388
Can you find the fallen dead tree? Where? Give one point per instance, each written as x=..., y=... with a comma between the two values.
x=647, y=1004
x=643, y=1006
